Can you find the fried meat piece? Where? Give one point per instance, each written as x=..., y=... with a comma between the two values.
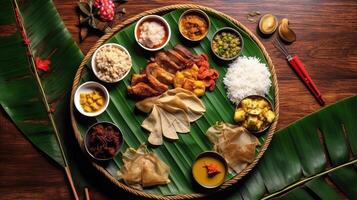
x=156, y=84
x=165, y=62
x=178, y=59
x=137, y=78
x=142, y=90
x=158, y=72
x=185, y=53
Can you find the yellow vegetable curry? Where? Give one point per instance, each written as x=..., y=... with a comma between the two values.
x=254, y=113
x=91, y=101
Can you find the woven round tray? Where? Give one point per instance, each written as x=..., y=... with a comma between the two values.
x=163, y=10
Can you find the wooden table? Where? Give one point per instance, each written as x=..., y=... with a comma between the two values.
x=326, y=43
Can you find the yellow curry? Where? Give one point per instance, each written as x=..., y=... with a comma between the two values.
x=92, y=102
x=209, y=171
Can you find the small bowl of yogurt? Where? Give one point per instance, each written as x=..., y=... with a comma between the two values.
x=152, y=32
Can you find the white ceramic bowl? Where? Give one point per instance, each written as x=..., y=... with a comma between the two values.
x=148, y=18
x=89, y=87
x=94, y=68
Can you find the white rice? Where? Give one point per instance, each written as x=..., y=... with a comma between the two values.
x=152, y=34
x=246, y=76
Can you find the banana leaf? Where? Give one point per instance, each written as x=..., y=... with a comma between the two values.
x=37, y=101
x=179, y=155
x=313, y=158
x=21, y=95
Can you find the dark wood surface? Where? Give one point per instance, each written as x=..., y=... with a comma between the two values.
x=326, y=43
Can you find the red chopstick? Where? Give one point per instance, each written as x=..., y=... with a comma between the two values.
x=299, y=68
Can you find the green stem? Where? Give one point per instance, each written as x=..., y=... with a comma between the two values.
x=44, y=99
x=308, y=179
x=39, y=84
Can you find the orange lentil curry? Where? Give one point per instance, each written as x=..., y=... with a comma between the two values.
x=193, y=26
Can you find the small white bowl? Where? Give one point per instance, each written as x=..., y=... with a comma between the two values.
x=88, y=87
x=149, y=18
x=94, y=68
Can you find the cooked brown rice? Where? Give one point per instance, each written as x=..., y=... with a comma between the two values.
x=112, y=63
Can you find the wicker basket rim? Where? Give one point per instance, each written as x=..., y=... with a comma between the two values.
x=158, y=11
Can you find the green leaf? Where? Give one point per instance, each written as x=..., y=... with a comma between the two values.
x=84, y=7
x=310, y=159
x=31, y=94
x=23, y=100
x=180, y=154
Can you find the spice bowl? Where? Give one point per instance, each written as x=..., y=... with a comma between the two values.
x=191, y=19
x=266, y=124
x=106, y=72
x=209, y=169
x=227, y=44
x=88, y=88
x=145, y=35
x=103, y=141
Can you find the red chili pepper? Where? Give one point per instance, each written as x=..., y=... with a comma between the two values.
x=212, y=169
x=208, y=75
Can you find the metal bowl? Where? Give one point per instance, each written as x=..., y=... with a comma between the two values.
x=234, y=31
x=86, y=142
x=199, y=13
x=266, y=127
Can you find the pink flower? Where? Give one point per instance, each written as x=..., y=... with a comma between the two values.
x=106, y=9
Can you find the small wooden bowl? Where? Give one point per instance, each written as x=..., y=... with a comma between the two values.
x=199, y=13
x=218, y=157
x=234, y=31
x=274, y=24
